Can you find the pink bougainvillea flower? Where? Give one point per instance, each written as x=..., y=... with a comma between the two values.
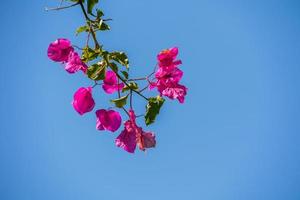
x=110, y=83
x=168, y=76
x=146, y=140
x=75, y=64
x=171, y=76
x=133, y=135
x=108, y=120
x=173, y=91
x=83, y=101
x=127, y=138
x=59, y=50
x=167, y=58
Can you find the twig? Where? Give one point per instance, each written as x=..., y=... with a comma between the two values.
x=88, y=39
x=142, y=90
x=137, y=79
x=61, y=8
x=97, y=45
x=118, y=75
x=61, y=2
x=77, y=47
x=119, y=95
x=131, y=99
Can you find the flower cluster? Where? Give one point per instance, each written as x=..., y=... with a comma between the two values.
x=168, y=75
x=62, y=51
x=110, y=70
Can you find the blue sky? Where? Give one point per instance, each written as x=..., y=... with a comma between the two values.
x=236, y=137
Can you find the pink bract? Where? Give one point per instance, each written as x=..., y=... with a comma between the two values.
x=174, y=91
x=108, y=120
x=110, y=83
x=146, y=140
x=83, y=101
x=133, y=135
x=171, y=76
x=166, y=58
x=59, y=50
x=127, y=138
x=75, y=64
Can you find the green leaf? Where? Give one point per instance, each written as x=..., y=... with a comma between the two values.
x=132, y=86
x=120, y=57
x=82, y=29
x=102, y=26
x=89, y=54
x=125, y=74
x=153, y=108
x=97, y=71
x=121, y=101
x=99, y=13
x=90, y=5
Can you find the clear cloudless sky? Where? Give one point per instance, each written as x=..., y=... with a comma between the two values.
x=237, y=137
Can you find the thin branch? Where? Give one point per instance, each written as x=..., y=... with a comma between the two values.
x=77, y=47
x=96, y=83
x=97, y=45
x=88, y=39
x=131, y=99
x=126, y=111
x=61, y=7
x=143, y=78
x=118, y=75
x=119, y=95
x=61, y=2
x=142, y=90
x=154, y=70
x=137, y=79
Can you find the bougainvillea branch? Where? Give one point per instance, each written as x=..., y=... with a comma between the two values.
x=110, y=70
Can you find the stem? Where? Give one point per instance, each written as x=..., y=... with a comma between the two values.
x=118, y=75
x=61, y=8
x=97, y=45
x=119, y=95
x=77, y=47
x=138, y=79
x=142, y=90
x=143, y=78
x=88, y=39
x=96, y=83
x=61, y=2
x=131, y=99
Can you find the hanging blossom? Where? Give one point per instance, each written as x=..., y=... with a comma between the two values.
x=62, y=51
x=83, y=101
x=111, y=70
x=110, y=83
x=59, y=50
x=75, y=64
x=108, y=120
x=168, y=75
x=133, y=135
